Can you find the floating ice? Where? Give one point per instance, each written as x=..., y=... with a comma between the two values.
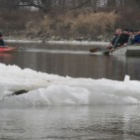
x=47, y=89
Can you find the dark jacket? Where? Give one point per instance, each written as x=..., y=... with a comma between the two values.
x=113, y=39
x=122, y=39
x=2, y=43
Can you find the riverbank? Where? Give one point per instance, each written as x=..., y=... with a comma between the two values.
x=68, y=42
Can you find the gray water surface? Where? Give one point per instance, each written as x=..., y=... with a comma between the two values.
x=73, y=61
x=71, y=122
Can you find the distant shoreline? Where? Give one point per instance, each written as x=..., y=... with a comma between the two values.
x=68, y=42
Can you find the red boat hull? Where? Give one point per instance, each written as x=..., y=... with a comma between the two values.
x=7, y=49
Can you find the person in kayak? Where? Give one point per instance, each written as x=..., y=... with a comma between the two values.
x=122, y=39
x=131, y=37
x=2, y=42
x=118, y=32
x=137, y=38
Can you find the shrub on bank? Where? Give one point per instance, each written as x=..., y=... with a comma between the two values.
x=71, y=25
x=83, y=26
x=13, y=23
x=94, y=24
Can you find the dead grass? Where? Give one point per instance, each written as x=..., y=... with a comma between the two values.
x=85, y=26
x=77, y=24
x=72, y=25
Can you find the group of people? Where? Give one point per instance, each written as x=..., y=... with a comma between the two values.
x=124, y=37
x=121, y=37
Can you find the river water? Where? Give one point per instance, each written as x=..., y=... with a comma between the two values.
x=85, y=122
x=73, y=61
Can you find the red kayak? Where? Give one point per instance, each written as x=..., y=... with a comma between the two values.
x=7, y=49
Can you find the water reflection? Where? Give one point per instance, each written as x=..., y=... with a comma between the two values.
x=6, y=58
x=73, y=64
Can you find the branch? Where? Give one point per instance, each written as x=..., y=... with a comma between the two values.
x=32, y=4
x=79, y=6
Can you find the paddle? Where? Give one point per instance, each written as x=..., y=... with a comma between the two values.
x=107, y=49
x=94, y=49
x=98, y=49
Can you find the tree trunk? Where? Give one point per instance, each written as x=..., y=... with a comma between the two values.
x=111, y=3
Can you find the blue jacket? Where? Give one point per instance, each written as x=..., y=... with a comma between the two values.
x=136, y=39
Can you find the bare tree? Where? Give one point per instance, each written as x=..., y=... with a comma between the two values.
x=44, y=5
x=79, y=4
x=130, y=3
x=48, y=5
x=111, y=4
x=94, y=4
x=6, y=5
